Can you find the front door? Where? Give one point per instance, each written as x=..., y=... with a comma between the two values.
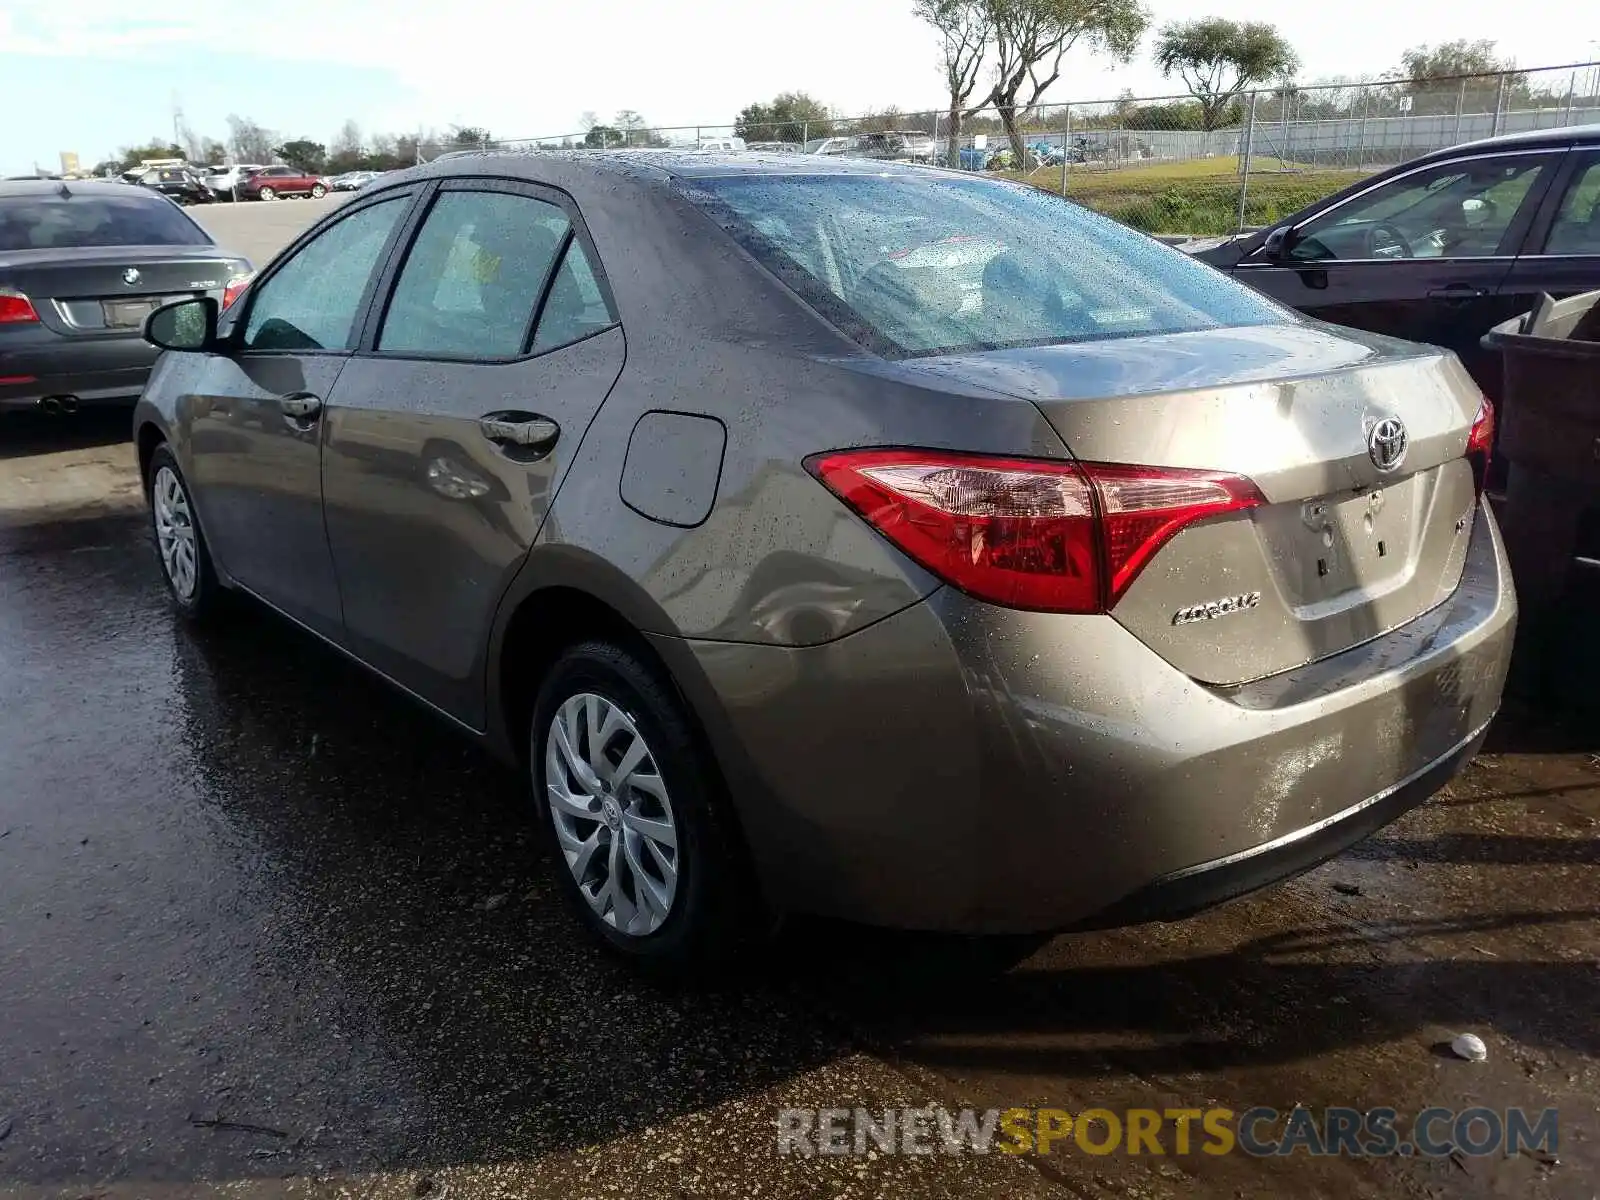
x=448, y=434
x=255, y=417
x=1422, y=256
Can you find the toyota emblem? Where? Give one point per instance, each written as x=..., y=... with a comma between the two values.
x=131, y=276
x=1386, y=444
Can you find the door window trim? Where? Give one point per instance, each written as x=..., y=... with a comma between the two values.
x=239, y=317
x=577, y=232
x=1253, y=261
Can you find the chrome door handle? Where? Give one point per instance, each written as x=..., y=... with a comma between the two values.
x=301, y=405
x=517, y=429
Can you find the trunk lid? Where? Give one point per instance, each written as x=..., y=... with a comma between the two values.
x=1341, y=552
x=93, y=291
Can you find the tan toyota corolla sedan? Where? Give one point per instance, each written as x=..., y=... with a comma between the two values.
x=846, y=538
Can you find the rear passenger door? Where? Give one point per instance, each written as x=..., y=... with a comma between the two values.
x=448, y=433
x=1562, y=256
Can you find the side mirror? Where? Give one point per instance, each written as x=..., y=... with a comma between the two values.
x=1276, y=245
x=183, y=325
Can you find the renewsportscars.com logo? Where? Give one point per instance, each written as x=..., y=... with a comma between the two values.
x=1259, y=1131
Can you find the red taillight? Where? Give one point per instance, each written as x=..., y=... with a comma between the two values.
x=1480, y=442
x=235, y=287
x=1142, y=507
x=15, y=308
x=1025, y=533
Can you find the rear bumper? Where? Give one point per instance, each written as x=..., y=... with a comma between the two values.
x=91, y=370
x=960, y=767
x=1204, y=885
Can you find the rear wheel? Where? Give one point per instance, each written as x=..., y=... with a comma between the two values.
x=269, y=193
x=642, y=855
x=180, y=545
x=318, y=192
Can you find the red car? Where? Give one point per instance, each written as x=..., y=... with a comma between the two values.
x=270, y=183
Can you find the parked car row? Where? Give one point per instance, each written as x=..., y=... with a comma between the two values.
x=186, y=183
x=892, y=145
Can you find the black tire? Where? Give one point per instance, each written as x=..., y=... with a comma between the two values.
x=268, y=193
x=318, y=192
x=201, y=599
x=711, y=910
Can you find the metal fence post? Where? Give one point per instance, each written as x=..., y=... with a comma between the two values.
x=1244, y=156
x=805, y=135
x=1461, y=102
x=1499, y=107
x=1066, y=149
x=1361, y=143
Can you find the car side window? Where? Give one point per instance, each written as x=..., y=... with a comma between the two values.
x=576, y=307
x=1577, y=225
x=474, y=276
x=1458, y=209
x=311, y=302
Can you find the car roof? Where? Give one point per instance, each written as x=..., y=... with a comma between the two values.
x=670, y=164
x=67, y=188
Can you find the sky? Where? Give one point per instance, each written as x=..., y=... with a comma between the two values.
x=95, y=75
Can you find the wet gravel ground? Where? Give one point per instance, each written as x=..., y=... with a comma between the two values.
x=267, y=930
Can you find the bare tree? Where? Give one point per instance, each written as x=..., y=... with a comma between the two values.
x=348, y=148
x=1217, y=59
x=965, y=28
x=250, y=143
x=1031, y=38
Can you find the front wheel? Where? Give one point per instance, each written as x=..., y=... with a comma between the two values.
x=643, y=856
x=318, y=192
x=269, y=193
x=180, y=545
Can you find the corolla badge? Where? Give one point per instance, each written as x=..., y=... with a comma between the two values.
x=131, y=276
x=1386, y=444
x=1212, y=609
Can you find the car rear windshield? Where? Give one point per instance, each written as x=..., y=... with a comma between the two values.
x=52, y=222
x=935, y=265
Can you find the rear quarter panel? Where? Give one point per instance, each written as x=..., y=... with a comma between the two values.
x=710, y=333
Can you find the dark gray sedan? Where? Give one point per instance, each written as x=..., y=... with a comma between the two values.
x=846, y=538
x=82, y=264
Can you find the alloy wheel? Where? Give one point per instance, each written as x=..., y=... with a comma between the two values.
x=175, y=534
x=612, y=816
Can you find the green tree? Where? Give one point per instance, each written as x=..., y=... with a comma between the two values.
x=1217, y=59
x=469, y=135
x=212, y=152
x=635, y=129
x=304, y=154
x=965, y=28
x=1447, y=59
x=130, y=157
x=1432, y=82
x=788, y=117
x=602, y=137
x=1167, y=114
x=1032, y=37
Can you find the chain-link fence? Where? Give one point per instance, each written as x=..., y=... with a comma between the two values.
x=1170, y=164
